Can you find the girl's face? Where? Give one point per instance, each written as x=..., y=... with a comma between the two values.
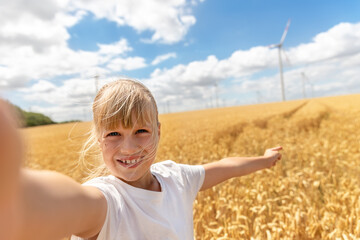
x=129, y=152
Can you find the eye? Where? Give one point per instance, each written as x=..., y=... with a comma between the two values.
x=141, y=131
x=113, y=134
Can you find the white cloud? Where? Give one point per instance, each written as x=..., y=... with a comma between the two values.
x=185, y=80
x=130, y=63
x=22, y=26
x=33, y=36
x=243, y=63
x=23, y=63
x=44, y=10
x=211, y=70
x=339, y=41
x=41, y=86
x=169, y=20
x=116, y=48
x=71, y=100
x=72, y=92
x=163, y=58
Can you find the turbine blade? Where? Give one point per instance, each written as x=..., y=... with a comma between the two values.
x=285, y=32
x=286, y=57
x=273, y=45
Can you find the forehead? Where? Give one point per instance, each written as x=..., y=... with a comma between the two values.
x=130, y=122
x=135, y=125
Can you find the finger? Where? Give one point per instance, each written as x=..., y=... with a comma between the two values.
x=276, y=148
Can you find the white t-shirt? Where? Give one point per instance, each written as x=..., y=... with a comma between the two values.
x=139, y=214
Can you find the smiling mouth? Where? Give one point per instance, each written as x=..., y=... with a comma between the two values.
x=130, y=163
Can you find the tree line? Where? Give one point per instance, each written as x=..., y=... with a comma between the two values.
x=30, y=119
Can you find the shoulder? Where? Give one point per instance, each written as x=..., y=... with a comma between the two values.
x=182, y=172
x=110, y=188
x=168, y=168
x=108, y=185
x=165, y=166
x=99, y=180
x=186, y=178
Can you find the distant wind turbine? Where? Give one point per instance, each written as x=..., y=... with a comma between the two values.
x=304, y=80
x=303, y=84
x=96, y=78
x=279, y=46
x=259, y=96
x=217, y=93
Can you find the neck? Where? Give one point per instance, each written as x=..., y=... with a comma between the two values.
x=147, y=182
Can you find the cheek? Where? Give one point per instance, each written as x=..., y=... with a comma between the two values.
x=107, y=150
x=145, y=141
x=107, y=145
x=148, y=143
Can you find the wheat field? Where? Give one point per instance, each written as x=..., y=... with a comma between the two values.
x=312, y=193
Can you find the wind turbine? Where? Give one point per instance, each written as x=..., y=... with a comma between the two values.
x=217, y=93
x=306, y=79
x=96, y=78
x=279, y=46
x=303, y=84
x=258, y=96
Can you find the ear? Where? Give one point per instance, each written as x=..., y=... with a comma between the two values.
x=159, y=129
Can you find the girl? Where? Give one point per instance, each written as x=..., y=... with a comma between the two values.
x=132, y=199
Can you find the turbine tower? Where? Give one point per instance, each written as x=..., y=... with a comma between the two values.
x=279, y=46
x=303, y=84
x=96, y=78
x=306, y=79
x=217, y=93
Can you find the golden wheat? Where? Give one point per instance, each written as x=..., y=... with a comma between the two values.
x=313, y=193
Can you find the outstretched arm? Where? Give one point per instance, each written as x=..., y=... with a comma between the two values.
x=10, y=160
x=55, y=206
x=217, y=172
x=41, y=204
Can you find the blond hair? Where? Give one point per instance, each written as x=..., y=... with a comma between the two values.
x=126, y=102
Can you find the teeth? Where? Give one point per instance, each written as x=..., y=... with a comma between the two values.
x=131, y=161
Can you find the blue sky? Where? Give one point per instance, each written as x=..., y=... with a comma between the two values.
x=180, y=49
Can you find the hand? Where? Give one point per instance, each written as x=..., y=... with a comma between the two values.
x=272, y=155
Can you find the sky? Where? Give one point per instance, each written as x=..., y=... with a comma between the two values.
x=192, y=54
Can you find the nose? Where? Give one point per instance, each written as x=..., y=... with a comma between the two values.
x=128, y=146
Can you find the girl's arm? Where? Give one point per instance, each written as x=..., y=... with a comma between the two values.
x=41, y=204
x=10, y=160
x=227, y=168
x=55, y=206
